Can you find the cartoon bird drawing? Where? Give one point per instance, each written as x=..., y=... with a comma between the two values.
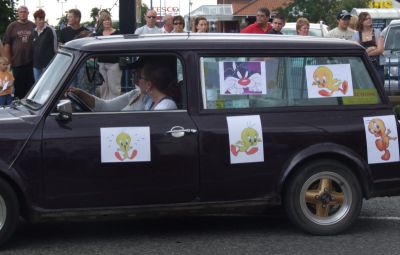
x=378, y=129
x=249, y=140
x=123, y=141
x=323, y=78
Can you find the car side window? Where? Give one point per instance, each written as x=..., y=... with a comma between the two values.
x=111, y=83
x=263, y=82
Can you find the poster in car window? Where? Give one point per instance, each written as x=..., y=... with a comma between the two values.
x=245, y=139
x=329, y=81
x=242, y=78
x=125, y=144
x=382, y=139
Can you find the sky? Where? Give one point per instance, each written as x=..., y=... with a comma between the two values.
x=55, y=8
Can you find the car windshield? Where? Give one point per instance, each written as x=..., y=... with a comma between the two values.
x=49, y=80
x=392, y=41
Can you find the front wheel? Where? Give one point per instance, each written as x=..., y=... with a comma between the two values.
x=323, y=198
x=9, y=211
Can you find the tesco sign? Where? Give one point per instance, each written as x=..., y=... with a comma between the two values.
x=173, y=10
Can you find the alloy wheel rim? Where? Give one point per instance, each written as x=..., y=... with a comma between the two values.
x=325, y=198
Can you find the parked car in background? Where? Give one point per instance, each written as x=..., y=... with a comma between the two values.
x=316, y=29
x=300, y=123
x=392, y=54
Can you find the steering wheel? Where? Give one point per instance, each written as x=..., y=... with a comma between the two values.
x=81, y=105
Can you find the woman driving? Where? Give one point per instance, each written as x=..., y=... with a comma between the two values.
x=157, y=91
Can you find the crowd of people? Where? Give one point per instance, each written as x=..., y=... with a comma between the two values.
x=28, y=46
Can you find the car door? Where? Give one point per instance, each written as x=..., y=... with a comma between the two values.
x=85, y=165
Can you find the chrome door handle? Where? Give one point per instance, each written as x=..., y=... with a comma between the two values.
x=179, y=131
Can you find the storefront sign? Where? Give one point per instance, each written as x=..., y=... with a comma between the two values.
x=384, y=4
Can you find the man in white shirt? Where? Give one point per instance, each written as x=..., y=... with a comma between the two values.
x=342, y=31
x=150, y=27
x=168, y=24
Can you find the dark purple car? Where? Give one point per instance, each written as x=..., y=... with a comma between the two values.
x=200, y=123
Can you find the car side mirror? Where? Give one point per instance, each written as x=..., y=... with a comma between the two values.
x=64, y=109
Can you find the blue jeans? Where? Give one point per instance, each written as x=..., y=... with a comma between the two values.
x=6, y=99
x=37, y=72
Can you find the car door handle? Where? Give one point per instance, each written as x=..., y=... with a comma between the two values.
x=179, y=131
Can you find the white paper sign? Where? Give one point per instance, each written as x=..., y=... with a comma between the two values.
x=125, y=144
x=245, y=139
x=329, y=81
x=382, y=139
x=242, y=78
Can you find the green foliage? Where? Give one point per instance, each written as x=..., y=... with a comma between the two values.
x=143, y=12
x=8, y=14
x=316, y=10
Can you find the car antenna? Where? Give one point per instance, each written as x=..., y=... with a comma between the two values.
x=189, y=21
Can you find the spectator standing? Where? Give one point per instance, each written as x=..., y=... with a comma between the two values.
x=371, y=39
x=6, y=82
x=179, y=24
x=353, y=22
x=200, y=24
x=44, y=44
x=342, y=31
x=74, y=30
x=150, y=27
x=18, y=50
x=109, y=66
x=168, y=24
x=302, y=26
x=261, y=26
x=278, y=22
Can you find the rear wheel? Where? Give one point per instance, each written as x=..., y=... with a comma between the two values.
x=9, y=211
x=323, y=198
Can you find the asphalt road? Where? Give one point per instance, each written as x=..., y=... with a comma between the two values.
x=376, y=232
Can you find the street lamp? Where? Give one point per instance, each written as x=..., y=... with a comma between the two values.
x=62, y=2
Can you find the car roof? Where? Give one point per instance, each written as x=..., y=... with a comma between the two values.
x=207, y=41
x=394, y=22
x=312, y=25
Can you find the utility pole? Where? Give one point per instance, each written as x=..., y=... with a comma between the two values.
x=127, y=16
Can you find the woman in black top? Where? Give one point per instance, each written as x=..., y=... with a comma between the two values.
x=44, y=44
x=109, y=66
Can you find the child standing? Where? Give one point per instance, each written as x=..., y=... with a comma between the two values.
x=6, y=82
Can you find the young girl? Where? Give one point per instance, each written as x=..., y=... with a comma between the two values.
x=6, y=82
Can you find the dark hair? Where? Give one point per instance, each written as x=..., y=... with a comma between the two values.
x=39, y=14
x=197, y=21
x=179, y=18
x=280, y=16
x=265, y=11
x=161, y=74
x=361, y=18
x=76, y=13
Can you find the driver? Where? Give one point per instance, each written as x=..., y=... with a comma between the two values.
x=157, y=91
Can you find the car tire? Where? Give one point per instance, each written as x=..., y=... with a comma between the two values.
x=9, y=211
x=323, y=198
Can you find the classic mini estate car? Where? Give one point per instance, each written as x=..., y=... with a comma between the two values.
x=126, y=125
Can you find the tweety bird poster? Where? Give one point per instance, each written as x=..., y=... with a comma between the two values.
x=245, y=139
x=329, y=81
x=382, y=139
x=125, y=144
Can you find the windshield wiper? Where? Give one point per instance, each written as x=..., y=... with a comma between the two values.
x=31, y=102
x=15, y=103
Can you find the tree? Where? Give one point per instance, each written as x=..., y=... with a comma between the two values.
x=8, y=14
x=317, y=10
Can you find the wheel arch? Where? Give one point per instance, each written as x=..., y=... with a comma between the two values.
x=22, y=201
x=330, y=151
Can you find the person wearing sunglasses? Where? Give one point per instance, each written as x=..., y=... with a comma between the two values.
x=179, y=24
x=150, y=27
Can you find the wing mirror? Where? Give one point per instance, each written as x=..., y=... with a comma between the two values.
x=64, y=109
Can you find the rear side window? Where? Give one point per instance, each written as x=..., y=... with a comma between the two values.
x=392, y=41
x=254, y=82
